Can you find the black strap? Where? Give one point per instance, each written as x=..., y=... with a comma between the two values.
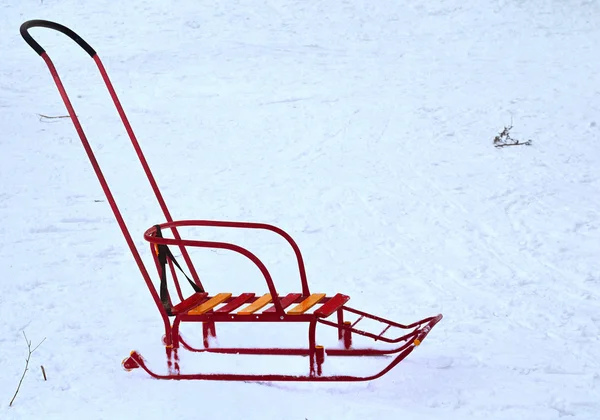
x=163, y=253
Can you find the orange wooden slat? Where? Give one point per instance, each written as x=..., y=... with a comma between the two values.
x=306, y=304
x=210, y=303
x=258, y=304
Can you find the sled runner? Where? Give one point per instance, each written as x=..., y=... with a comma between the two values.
x=303, y=306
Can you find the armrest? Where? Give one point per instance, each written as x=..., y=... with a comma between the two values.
x=149, y=236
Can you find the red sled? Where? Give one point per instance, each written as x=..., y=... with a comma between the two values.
x=305, y=307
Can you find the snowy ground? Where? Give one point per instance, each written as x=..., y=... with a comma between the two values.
x=365, y=130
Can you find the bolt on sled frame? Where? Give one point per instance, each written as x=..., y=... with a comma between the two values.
x=210, y=309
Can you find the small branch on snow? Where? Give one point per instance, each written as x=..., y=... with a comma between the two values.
x=50, y=117
x=504, y=139
x=26, y=366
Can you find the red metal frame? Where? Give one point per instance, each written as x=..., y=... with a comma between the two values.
x=183, y=312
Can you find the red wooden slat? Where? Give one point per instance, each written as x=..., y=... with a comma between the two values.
x=235, y=303
x=189, y=303
x=285, y=301
x=332, y=305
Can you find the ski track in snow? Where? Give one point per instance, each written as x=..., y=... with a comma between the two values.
x=362, y=128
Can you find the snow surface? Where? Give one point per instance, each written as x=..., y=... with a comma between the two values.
x=364, y=128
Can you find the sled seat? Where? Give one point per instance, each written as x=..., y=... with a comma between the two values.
x=200, y=304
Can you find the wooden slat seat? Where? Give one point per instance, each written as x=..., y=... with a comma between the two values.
x=210, y=304
x=285, y=301
x=256, y=305
x=332, y=305
x=199, y=304
x=306, y=304
x=235, y=303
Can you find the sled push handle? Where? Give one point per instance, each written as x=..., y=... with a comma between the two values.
x=92, y=158
x=57, y=27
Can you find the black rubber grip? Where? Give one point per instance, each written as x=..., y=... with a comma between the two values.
x=57, y=27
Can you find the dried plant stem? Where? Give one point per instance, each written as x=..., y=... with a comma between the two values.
x=26, y=365
x=53, y=116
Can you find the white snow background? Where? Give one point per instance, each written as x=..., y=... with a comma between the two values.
x=364, y=128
